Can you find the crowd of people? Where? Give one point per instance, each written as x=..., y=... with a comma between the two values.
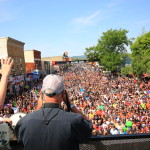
x=114, y=104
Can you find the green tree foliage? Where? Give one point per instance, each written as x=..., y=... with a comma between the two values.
x=92, y=53
x=110, y=49
x=127, y=70
x=141, y=54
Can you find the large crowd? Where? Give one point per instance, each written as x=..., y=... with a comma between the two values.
x=114, y=104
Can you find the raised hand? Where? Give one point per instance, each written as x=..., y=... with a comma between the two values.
x=5, y=71
x=6, y=66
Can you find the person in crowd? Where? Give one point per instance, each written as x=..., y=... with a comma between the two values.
x=113, y=130
x=51, y=127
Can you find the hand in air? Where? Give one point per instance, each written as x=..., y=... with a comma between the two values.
x=6, y=66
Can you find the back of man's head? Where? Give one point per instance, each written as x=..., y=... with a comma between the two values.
x=52, y=85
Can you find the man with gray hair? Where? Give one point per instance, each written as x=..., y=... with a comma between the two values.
x=50, y=127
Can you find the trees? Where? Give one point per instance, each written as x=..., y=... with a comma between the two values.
x=110, y=49
x=141, y=55
x=127, y=70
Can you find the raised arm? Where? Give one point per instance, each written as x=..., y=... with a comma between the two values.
x=5, y=72
x=73, y=108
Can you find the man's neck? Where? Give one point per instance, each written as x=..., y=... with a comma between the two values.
x=51, y=105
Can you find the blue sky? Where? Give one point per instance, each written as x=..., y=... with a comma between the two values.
x=70, y=25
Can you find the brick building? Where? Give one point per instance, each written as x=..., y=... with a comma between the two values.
x=32, y=60
x=15, y=49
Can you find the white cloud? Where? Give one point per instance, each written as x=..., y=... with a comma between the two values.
x=114, y=3
x=88, y=20
x=92, y=19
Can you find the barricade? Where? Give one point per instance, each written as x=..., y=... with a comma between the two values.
x=115, y=142
x=118, y=142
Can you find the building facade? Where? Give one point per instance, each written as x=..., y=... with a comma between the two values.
x=15, y=49
x=46, y=66
x=32, y=60
x=51, y=60
x=55, y=58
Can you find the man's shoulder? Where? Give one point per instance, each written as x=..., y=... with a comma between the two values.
x=30, y=115
x=71, y=117
x=72, y=114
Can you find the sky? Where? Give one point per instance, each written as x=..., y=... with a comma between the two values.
x=54, y=27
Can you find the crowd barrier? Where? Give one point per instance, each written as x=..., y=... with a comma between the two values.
x=115, y=142
x=118, y=142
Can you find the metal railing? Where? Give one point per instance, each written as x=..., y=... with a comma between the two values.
x=115, y=142
x=118, y=142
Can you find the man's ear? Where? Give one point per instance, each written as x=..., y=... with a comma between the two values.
x=40, y=102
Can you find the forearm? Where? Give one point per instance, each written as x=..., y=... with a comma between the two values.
x=73, y=107
x=75, y=110
x=3, y=89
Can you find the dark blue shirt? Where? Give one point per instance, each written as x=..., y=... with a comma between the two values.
x=56, y=129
